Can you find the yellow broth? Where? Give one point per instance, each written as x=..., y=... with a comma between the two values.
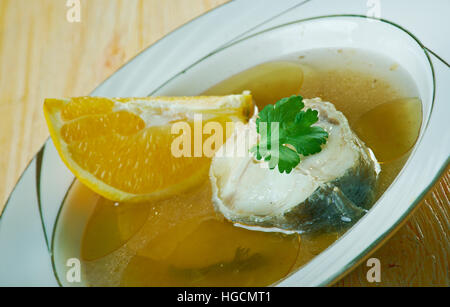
x=182, y=241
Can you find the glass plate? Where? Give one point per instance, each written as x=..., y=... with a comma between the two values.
x=29, y=221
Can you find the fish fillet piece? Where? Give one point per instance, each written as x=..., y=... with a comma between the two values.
x=327, y=191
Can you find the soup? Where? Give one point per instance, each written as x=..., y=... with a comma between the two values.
x=183, y=241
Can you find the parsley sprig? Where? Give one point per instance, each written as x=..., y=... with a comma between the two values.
x=286, y=132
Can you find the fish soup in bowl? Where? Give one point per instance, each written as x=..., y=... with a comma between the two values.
x=371, y=107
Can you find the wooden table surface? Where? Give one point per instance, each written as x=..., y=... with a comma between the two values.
x=43, y=55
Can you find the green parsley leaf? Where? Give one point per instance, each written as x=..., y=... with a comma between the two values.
x=286, y=132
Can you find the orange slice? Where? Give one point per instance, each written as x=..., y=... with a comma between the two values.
x=121, y=148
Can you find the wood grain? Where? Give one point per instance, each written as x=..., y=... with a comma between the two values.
x=43, y=55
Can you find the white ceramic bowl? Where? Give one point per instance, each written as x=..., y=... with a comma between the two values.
x=29, y=221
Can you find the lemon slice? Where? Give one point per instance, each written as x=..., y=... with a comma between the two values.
x=121, y=148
